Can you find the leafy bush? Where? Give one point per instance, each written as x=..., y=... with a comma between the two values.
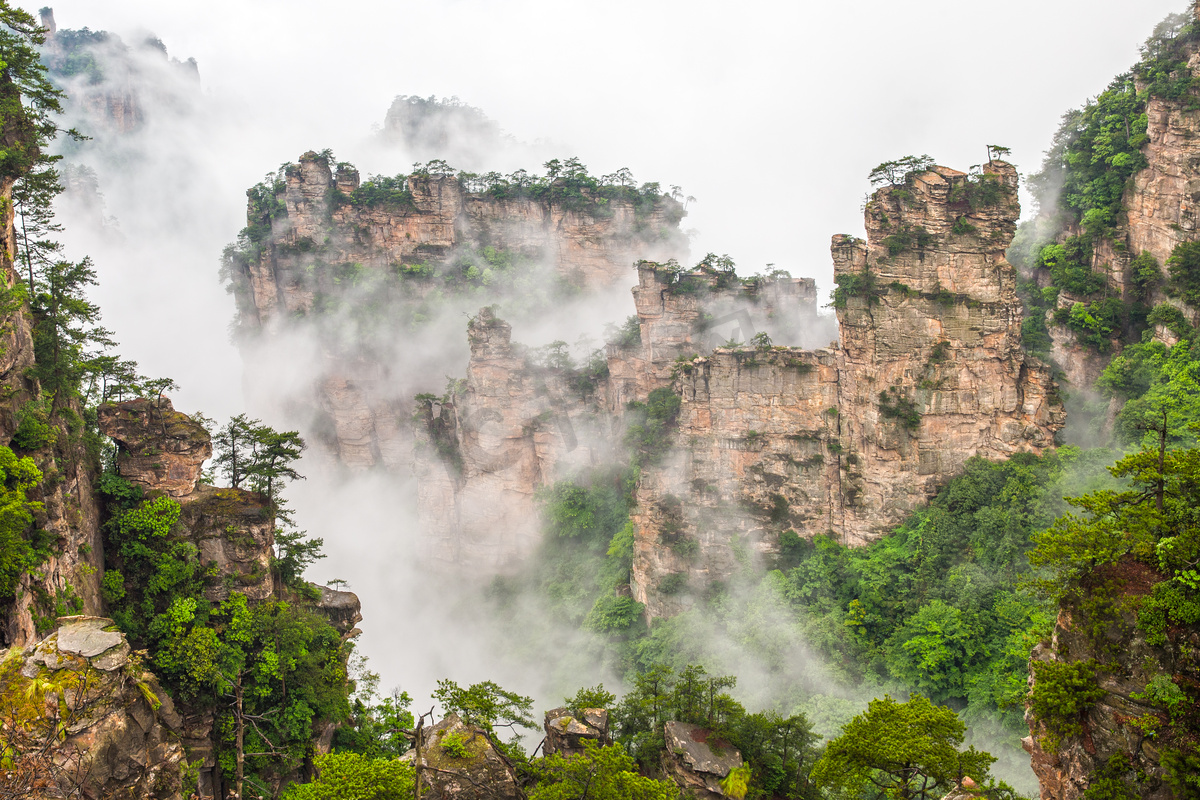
x=651, y=425
x=351, y=776
x=1062, y=691
x=1070, y=266
x=455, y=745
x=1183, y=266
x=1145, y=273
x=850, y=284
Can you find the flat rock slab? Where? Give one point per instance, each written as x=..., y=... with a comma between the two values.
x=690, y=743
x=87, y=637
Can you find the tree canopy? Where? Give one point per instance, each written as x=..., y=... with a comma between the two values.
x=905, y=750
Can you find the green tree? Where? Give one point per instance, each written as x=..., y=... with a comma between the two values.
x=274, y=453
x=486, y=705
x=937, y=651
x=351, y=776
x=17, y=555
x=28, y=100
x=233, y=448
x=906, y=750
x=598, y=773
x=65, y=325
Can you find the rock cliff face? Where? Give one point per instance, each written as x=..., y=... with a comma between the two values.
x=847, y=441
x=843, y=441
x=68, y=579
x=362, y=268
x=1125, y=732
x=120, y=733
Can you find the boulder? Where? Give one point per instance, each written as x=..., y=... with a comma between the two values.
x=459, y=762
x=158, y=447
x=697, y=761
x=121, y=729
x=566, y=731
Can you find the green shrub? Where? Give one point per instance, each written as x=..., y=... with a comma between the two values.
x=112, y=586
x=852, y=284
x=34, y=431
x=1062, y=692
x=1172, y=319
x=455, y=745
x=1070, y=266
x=1145, y=274
x=1164, y=692
x=613, y=614
x=1183, y=266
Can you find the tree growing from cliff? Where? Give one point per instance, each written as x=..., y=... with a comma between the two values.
x=65, y=326
x=903, y=750
x=896, y=172
x=28, y=100
x=248, y=452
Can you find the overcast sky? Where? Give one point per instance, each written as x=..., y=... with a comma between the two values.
x=769, y=113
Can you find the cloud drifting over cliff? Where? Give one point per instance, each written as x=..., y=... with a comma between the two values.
x=770, y=114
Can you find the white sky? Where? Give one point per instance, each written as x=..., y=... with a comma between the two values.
x=769, y=113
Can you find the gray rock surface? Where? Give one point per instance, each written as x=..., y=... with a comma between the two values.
x=697, y=761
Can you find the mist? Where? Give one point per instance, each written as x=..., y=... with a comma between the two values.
x=769, y=116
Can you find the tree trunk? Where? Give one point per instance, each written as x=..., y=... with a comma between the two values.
x=241, y=738
x=1160, y=490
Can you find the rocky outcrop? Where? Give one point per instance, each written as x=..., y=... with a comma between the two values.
x=933, y=371
x=326, y=246
x=1124, y=733
x=847, y=441
x=342, y=609
x=158, y=448
x=83, y=717
x=566, y=731
x=233, y=530
x=459, y=762
x=697, y=761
